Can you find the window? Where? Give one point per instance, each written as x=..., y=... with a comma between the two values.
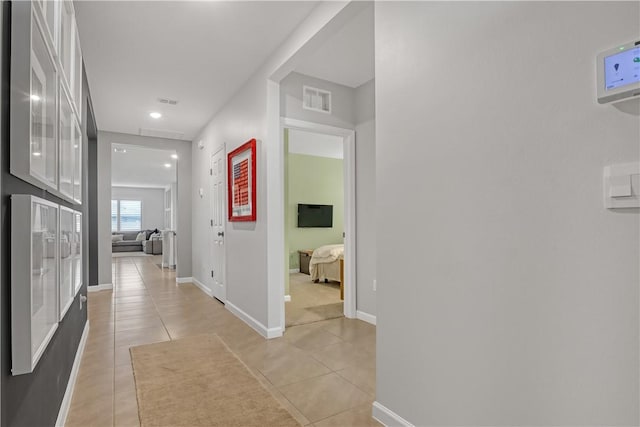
x=126, y=215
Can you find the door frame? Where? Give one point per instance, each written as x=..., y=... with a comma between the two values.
x=349, y=172
x=221, y=149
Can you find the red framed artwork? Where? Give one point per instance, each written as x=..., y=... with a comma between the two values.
x=241, y=182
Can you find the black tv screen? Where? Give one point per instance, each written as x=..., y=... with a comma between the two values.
x=315, y=216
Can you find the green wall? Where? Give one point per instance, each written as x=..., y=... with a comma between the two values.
x=313, y=180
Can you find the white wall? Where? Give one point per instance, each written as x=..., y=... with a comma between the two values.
x=244, y=117
x=104, y=212
x=183, y=229
x=152, y=204
x=342, y=101
x=507, y=294
x=365, y=196
x=352, y=109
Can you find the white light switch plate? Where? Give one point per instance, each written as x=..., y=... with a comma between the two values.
x=621, y=184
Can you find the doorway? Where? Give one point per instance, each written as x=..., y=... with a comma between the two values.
x=319, y=216
x=144, y=184
x=218, y=211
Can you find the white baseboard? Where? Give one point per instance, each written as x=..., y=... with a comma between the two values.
x=102, y=287
x=68, y=394
x=366, y=317
x=287, y=298
x=294, y=270
x=255, y=325
x=184, y=279
x=387, y=417
x=201, y=285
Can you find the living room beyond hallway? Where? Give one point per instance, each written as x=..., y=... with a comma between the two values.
x=143, y=202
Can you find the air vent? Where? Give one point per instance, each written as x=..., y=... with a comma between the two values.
x=316, y=99
x=159, y=133
x=167, y=101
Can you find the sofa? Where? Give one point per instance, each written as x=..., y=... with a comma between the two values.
x=152, y=244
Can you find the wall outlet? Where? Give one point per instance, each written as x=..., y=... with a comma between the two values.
x=375, y=284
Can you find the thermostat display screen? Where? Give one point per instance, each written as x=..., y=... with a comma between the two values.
x=622, y=68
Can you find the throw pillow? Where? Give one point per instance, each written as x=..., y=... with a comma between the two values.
x=117, y=238
x=141, y=236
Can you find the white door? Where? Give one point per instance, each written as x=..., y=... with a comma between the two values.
x=218, y=209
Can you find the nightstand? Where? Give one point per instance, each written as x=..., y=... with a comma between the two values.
x=305, y=257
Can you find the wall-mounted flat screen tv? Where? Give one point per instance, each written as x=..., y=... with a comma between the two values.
x=315, y=215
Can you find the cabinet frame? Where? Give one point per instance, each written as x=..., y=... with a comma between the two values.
x=24, y=358
x=27, y=19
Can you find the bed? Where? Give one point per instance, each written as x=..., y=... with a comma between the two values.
x=327, y=263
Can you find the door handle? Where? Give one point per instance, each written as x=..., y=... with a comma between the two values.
x=221, y=233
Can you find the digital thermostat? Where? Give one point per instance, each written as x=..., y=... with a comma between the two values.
x=619, y=73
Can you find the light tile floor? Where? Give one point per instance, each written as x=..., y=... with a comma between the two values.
x=304, y=293
x=323, y=372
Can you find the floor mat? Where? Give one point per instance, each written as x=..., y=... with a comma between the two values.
x=197, y=381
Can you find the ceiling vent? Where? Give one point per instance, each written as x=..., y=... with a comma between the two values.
x=316, y=99
x=167, y=101
x=159, y=133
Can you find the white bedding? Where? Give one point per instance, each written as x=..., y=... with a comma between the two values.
x=325, y=262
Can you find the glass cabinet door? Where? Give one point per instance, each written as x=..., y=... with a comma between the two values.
x=77, y=252
x=50, y=12
x=43, y=147
x=35, y=266
x=44, y=276
x=67, y=249
x=67, y=141
x=67, y=40
x=77, y=73
x=77, y=169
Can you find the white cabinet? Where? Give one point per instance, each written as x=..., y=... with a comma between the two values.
x=43, y=155
x=67, y=153
x=34, y=279
x=70, y=150
x=67, y=285
x=76, y=252
x=46, y=97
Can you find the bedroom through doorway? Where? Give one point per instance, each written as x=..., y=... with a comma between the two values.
x=314, y=226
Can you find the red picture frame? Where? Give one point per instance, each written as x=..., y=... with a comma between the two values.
x=241, y=182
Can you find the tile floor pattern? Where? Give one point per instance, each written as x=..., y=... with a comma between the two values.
x=304, y=293
x=323, y=373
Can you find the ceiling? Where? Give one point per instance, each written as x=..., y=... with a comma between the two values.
x=315, y=144
x=141, y=167
x=347, y=57
x=198, y=53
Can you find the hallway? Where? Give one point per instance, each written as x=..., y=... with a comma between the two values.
x=323, y=373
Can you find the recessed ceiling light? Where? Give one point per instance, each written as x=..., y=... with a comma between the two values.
x=155, y=115
x=174, y=156
x=37, y=153
x=75, y=145
x=35, y=97
x=167, y=165
x=120, y=150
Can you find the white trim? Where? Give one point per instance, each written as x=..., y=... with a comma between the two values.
x=277, y=261
x=199, y=284
x=366, y=317
x=276, y=270
x=287, y=298
x=68, y=394
x=102, y=287
x=184, y=279
x=294, y=270
x=221, y=290
x=249, y=320
x=387, y=417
